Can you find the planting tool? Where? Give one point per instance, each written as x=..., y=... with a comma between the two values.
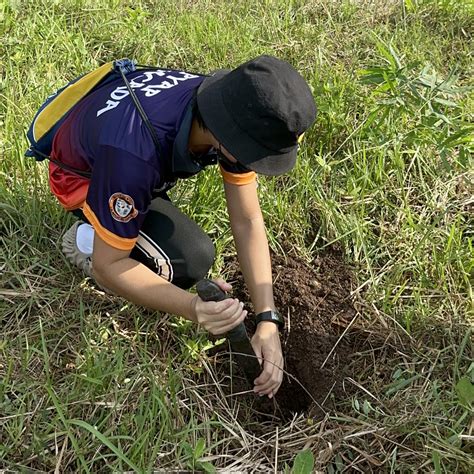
x=238, y=337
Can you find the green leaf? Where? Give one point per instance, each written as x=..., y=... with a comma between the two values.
x=395, y=57
x=386, y=53
x=187, y=448
x=199, y=448
x=207, y=467
x=436, y=462
x=447, y=103
x=465, y=390
x=104, y=440
x=464, y=135
x=401, y=384
x=304, y=463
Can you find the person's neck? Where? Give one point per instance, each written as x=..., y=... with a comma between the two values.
x=199, y=141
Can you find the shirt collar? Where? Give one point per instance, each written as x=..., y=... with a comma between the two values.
x=182, y=160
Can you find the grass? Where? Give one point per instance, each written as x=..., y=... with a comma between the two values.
x=89, y=382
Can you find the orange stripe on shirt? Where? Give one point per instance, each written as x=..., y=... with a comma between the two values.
x=238, y=179
x=108, y=237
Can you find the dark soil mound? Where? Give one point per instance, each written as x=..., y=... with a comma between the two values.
x=315, y=300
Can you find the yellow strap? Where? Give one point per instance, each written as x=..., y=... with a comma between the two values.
x=68, y=98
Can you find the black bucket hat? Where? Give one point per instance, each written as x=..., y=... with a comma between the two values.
x=258, y=111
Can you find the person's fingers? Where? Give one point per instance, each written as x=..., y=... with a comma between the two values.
x=228, y=317
x=226, y=320
x=263, y=381
x=217, y=307
x=223, y=285
x=267, y=371
x=231, y=311
x=212, y=311
x=278, y=377
x=220, y=317
x=207, y=309
x=270, y=380
x=257, y=348
x=269, y=388
x=225, y=308
x=235, y=321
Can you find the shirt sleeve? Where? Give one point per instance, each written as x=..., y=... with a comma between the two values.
x=234, y=173
x=119, y=196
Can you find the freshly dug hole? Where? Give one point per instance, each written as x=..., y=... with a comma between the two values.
x=315, y=300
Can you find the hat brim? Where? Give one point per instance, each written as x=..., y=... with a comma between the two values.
x=243, y=147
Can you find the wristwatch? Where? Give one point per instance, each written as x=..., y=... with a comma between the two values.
x=273, y=316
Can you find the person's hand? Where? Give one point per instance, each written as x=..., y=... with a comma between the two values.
x=219, y=317
x=267, y=347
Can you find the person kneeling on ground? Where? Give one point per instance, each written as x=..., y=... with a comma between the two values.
x=130, y=238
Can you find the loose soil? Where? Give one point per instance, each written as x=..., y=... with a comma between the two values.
x=315, y=300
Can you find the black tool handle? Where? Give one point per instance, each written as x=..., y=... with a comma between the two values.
x=238, y=337
x=210, y=291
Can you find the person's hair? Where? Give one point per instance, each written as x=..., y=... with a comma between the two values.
x=197, y=115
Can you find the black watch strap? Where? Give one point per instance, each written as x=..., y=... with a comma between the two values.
x=273, y=316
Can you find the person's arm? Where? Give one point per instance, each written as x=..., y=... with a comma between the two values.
x=115, y=270
x=248, y=229
x=115, y=236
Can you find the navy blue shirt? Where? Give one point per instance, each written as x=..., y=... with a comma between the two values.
x=105, y=133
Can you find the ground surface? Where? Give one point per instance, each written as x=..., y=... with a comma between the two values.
x=315, y=298
x=92, y=383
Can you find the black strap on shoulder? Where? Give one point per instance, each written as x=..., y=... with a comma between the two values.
x=142, y=113
x=83, y=173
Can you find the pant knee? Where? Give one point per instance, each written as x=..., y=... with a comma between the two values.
x=198, y=258
x=205, y=255
x=173, y=245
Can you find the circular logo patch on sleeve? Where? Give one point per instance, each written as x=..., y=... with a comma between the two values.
x=122, y=207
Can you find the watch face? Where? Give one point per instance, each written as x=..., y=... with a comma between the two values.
x=273, y=316
x=276, y=316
